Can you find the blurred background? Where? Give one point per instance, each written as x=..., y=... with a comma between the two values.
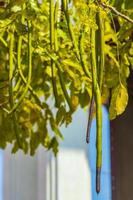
x=69, y=176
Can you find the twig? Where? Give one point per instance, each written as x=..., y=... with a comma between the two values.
x=114, y=10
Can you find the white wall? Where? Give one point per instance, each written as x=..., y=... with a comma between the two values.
x=24, y=176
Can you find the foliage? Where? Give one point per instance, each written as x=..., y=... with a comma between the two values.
x=46, y=66
x=56, y=56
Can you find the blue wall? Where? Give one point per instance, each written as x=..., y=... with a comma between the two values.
x=105, y=193
x=74, y=137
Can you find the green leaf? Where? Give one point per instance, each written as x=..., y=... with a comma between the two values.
x=118, y=3
x=128, y=4
x=55, y=128
x=84, y=98
x=60, y=115
x=73, y=64
x=111, y=55
x=54, y=145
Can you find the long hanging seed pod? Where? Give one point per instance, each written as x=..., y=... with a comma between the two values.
x=100, y=81
x=11, y=101
x=81, y=52
x=97, y=96
x=101, y=50
x=3, y=41
x=57, y=64
x=29, y=72
x=62, y=83
x=19, y=48
x=69, y=25
x=100, y=63
x=90, y=118
x=52, y=46
x=85, y=69
x=56, y=16
x=64, y=89
x=17, y=86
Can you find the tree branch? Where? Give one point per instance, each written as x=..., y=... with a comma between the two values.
x=114, y=10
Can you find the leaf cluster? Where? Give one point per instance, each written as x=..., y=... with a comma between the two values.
x=61, y=79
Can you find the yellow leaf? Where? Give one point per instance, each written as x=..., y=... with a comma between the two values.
x=122, y=100
x=75, y=101
x=119, y=101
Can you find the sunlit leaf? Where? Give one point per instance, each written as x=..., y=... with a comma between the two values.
x=119, y=101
